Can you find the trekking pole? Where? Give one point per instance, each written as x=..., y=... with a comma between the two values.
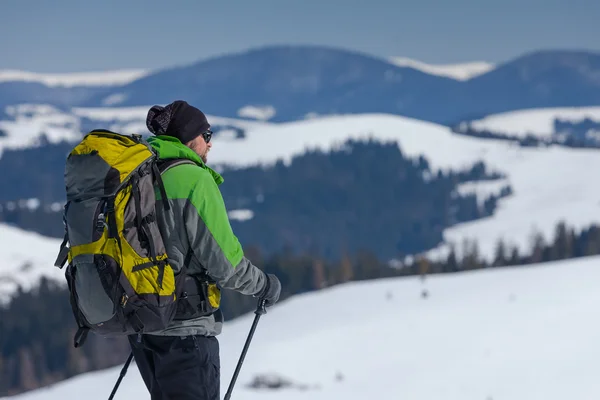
x=260, y=310
x=121, y=376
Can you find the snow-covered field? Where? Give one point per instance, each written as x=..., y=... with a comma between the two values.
x=518, y=333
x=538, y=122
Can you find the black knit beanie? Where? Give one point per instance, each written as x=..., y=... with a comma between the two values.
x=178, y=119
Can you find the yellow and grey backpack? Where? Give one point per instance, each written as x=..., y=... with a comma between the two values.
x=118, y=273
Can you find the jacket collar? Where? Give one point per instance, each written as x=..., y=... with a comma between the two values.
x=169, y=147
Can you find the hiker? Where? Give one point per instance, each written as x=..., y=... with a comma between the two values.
x=182, y=361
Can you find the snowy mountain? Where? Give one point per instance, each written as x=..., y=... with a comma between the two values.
x=540, y=79
x=286, y=83
x=299, y=81
x=549, y=184
x=294, y=81
x=514, y=333
x=460, y=71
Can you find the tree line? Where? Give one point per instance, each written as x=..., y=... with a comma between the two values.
x=566, y=133
x=366, y=193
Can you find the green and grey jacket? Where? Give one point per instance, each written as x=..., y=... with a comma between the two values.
x=198, y=221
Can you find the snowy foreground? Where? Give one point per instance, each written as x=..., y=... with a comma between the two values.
x=509, y=334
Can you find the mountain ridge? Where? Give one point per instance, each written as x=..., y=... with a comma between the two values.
x=300, y=81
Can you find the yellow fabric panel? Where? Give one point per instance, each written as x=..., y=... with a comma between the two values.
x=144, y=281
x=124, y=154
x=214, y=295
x=104, y=245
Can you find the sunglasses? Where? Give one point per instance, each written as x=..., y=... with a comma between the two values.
x=207, y=135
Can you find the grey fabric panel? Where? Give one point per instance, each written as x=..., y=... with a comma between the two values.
x=206, y=326
x=247, y=278
x=244, y=277
x=95, y=305
x=81, y=218
x=130, y=232
x=171, y=225
x=148, y=207
x=83, y=258
x=85, y=173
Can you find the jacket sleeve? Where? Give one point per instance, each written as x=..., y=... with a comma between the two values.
x=213, y=242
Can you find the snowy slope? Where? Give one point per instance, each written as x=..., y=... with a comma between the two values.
x=460, y=71
x=99, y=78
x=538, y=122
x=27, y=256
x=520, y=334
x=549, y=184
x=28, y=122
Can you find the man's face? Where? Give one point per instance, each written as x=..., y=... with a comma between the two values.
x=200, y=147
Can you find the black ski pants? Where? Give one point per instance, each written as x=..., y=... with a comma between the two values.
x=178, y=368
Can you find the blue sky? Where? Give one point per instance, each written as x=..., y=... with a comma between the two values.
x=82, y=35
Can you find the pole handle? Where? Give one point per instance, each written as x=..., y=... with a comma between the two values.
x=261, y=308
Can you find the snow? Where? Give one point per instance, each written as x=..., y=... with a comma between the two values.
x=549, y=184
x=69, y=79
x=263, y=113
x=241, y=215
x=29, y=122
x=460, y=71
x=538, y=122
x=514, y=333
x=483, y=189
x=32, y=121
x=114, y=99
x=511, y=333
x=27, y=257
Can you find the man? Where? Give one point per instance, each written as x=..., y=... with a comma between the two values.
x=182, y=362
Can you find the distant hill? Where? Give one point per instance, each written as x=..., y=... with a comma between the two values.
x=296, y=82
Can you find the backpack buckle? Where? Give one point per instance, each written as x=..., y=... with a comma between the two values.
x=101, y=223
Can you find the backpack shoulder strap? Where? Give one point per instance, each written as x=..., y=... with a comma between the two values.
x=164, y=165
x=159, y=168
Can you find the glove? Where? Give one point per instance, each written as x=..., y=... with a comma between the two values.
x=270, y=293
